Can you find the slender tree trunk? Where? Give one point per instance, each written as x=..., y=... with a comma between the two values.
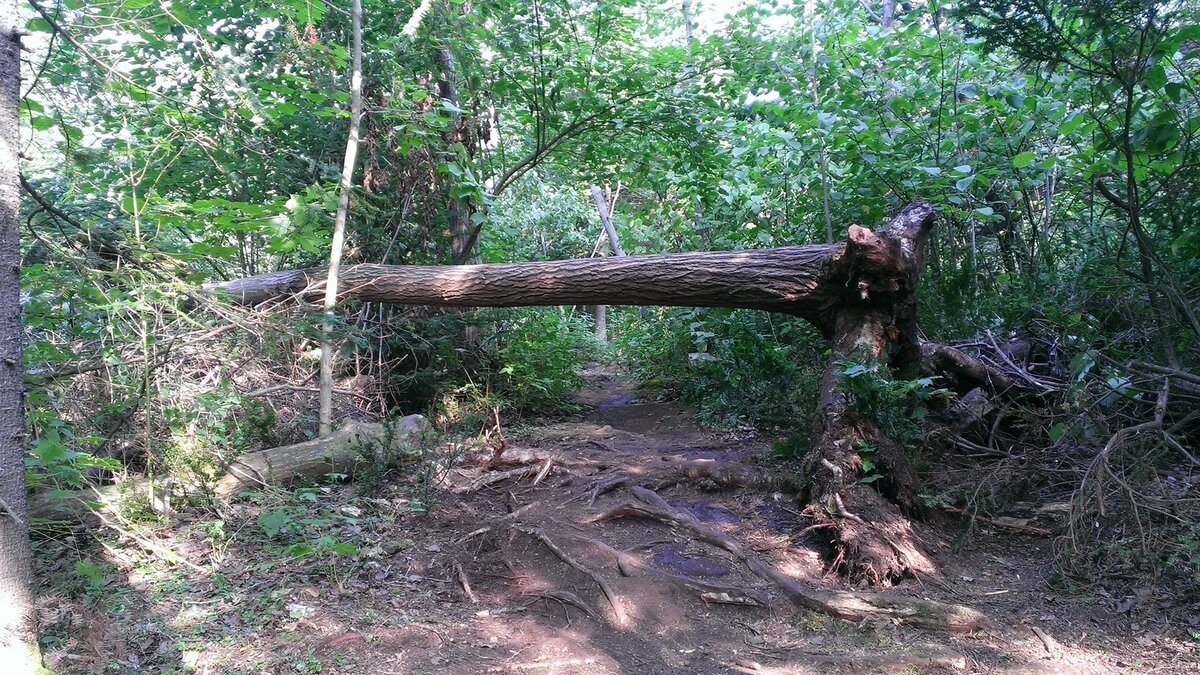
x=688, y=29
x=810, y=11
x=19, y=650
x=464, y=247
x=339, y=225
x=601, y=312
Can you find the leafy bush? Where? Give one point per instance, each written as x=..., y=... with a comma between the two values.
x=899, y=407
x=733, y=366
x=541, y=352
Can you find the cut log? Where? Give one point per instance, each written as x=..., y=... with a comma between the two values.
x=343, y=452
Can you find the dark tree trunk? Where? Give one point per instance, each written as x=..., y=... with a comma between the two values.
x=873, y=539
x=861, y=295
x=19, y=650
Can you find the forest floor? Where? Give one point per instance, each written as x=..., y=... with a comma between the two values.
x=511, y=572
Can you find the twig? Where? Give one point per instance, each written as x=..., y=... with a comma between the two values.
x=545, y=470
x=168, y=555
x=295, y=387
x=566, y=597
x=465, y=582
x=1024, y=529
x=1050, y=643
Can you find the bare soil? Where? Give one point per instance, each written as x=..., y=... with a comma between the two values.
x=512, y=572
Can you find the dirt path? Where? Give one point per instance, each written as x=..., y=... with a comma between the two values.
x=518, y=570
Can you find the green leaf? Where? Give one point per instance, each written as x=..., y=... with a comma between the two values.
x=1057, y=432
x=299, y=550
x=1023, y=160
x=1156, y=77
x=963, y=168
x=1072, y=123
x=342, y=548
x=964, y=183
x=273, y=522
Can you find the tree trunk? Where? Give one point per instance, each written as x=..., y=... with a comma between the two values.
x=339, y=225
x=601, y=311
x=806, y=281
x=344, y=451
x=347, y=450
x=873, y=539
x=19, y=649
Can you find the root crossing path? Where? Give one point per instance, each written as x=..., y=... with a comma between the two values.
x=634, y=541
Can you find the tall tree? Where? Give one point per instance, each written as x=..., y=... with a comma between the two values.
x=19, y=651
x=339, y=225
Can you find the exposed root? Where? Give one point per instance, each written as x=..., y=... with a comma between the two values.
x=552, y=666
x=567, y=598
x=613, y=599
x=734, y=475
x=628, y=565
x=845, y=605
x=873, y=541
x=490, y=479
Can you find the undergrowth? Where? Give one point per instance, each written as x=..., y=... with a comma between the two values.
x=733, y=366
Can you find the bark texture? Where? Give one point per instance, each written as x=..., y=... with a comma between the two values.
x=873, y=539
x=806, y=281
x=344, y=451
x=19, y=651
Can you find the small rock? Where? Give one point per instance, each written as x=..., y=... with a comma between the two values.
x=816, y=640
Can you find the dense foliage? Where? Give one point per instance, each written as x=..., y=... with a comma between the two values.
x=169, y=144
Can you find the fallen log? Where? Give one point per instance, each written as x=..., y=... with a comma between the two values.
x=861, y=294
x=804, y=281
x=343, y=452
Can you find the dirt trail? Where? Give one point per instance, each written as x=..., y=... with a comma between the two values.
x=516, y=570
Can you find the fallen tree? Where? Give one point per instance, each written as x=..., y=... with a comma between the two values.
x=861, y=294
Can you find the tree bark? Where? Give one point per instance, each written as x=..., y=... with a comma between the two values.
x=19, y=649
x=873, y=540
x=806, y=281
x=339, y=225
